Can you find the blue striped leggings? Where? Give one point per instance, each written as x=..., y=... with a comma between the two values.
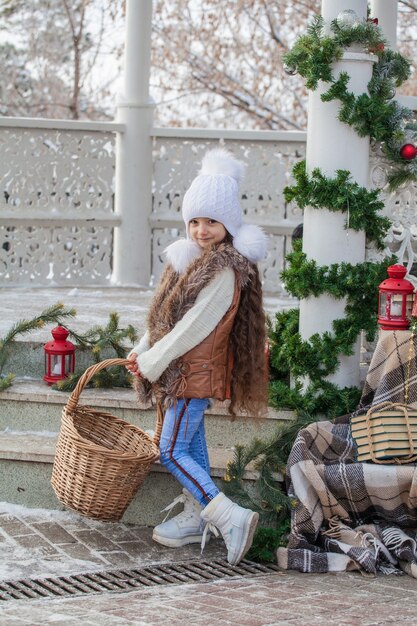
x=184, y=449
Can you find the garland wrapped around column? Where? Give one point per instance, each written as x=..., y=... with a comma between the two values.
x=373, y=114
x=294, y=360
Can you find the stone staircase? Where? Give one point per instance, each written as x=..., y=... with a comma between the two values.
x=30, y=411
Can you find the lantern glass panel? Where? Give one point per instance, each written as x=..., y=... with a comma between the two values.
x=56, y=365
x=409, y=304
x=383, y=305
x=68, y=364
x=396, y=305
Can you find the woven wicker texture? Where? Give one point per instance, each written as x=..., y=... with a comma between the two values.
x=101, y=460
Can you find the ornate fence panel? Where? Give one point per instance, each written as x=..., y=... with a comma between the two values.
x=57, y=197
x=401, y=209
x=56, y=202
x=269, y=156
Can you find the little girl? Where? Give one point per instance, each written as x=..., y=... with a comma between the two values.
x=205, y=339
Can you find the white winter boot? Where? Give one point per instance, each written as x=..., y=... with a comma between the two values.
x=186, y=527
x=236, y=524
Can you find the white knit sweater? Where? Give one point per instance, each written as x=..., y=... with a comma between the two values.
x=211, y=304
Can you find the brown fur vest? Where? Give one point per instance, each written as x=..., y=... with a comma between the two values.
x=174, y=296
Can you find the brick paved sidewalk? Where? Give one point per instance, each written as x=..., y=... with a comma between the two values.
x=270, y=600
x=40, y=543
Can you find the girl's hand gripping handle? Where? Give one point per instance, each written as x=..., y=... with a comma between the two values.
x=133, y=368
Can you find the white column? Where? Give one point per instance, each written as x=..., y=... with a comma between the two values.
x=133, y=192
x=387, y=12
x=332, y=145
x=330, y=9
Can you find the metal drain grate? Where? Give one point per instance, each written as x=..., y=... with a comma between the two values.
x=127, y=580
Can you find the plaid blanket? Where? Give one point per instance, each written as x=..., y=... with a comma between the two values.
x=350, y=515
x=392, y=370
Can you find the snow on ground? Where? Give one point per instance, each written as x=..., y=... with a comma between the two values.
x=26, y=553
x=17, y=561
x=39, y=515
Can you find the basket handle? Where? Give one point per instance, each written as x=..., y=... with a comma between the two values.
x=88, y=375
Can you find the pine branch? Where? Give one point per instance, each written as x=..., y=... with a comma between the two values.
x=55, y=314
x=97, y=340
x=6, y=381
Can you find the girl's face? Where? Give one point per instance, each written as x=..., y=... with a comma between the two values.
x=206, y=232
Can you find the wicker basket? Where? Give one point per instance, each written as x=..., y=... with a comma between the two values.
x=101, y=460
x=387, y=434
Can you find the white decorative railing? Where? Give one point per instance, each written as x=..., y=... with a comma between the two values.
x=56, y=205
x=401, y=209
x=57, y=197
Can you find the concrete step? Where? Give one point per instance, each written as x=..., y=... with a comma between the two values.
x=30, y=405
x=26, y=466
x=93, y=307
x=30, y=411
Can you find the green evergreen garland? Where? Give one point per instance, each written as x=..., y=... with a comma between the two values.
x=340, y=194
x=359, y=282
x=372, y=114
x=318, y=357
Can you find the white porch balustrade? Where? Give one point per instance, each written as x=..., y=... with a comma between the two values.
x=57, y=218
x=56, y=207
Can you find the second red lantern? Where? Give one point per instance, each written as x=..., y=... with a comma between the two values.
x=395, y=300
x=59, y=356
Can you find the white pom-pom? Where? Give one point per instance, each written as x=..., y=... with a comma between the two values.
x=181, y=253
x=220, y=162
x=251, y=242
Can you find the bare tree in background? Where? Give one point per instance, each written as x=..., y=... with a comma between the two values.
x=220, y=63
x=52, y=57
x=407, y=40
x=217, y=63
x=227, y=57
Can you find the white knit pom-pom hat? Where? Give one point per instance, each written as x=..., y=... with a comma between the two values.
x=214, y=194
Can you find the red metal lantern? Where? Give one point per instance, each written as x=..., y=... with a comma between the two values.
x=395, y=300
x=59, y=356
